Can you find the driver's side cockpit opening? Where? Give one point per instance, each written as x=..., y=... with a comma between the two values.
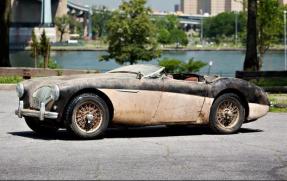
x=187, y=77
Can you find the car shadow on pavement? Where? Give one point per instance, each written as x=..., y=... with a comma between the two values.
x=135, y=132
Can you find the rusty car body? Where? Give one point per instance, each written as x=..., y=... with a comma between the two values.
x=138, y=95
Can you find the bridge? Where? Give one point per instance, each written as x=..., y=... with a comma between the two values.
x=187, y=21
x=39, y=15
x=84, y=13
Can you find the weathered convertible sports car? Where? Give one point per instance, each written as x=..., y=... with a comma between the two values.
x=138, y=95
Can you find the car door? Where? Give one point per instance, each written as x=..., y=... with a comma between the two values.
x=137, y=104
x=181, y=101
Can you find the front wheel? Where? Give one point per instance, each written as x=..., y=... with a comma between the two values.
x=87, y=116
x=227, y=114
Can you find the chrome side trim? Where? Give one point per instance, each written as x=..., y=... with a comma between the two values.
x=128, y=91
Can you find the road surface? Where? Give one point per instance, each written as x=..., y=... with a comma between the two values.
x=258, y=151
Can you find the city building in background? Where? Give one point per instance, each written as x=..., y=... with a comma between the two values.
x=211, y=7
x=283, y=1
x=177, y=8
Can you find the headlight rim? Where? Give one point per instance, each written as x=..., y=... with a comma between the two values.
x=20, y=90
x=55, y=94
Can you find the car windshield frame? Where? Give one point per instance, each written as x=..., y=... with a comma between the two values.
x=145, y=70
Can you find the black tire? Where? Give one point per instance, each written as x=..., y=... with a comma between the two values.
x=41, y=127
x=227, y=114
x=87, y=116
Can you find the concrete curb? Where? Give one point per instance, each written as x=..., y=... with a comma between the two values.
x=7, y=87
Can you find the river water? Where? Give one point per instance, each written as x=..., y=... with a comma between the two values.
x=225, y=63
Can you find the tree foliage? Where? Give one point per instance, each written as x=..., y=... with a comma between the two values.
x=44, y=48
x=66, y=24
x=75, y=26
x=223, y=25
x=177, y=66
x=62, y=24
x=169, y=31
x=100, y=20
x=131, y=34
x=269, y=25
x=35, y=45
x=5, y=7
x=179, y=37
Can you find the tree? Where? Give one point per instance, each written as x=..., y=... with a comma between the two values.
x=269, y=26
x=5, y=7
x=44, y=48
x=222, y=25
x=251, y=62
x=169, y=31
x=75, y=26
x=100, y=20
x=35, y=48
x=62, y=24
x=163, y=36
x=179, y=37
x=132, y=35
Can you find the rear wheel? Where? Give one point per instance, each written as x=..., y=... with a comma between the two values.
x=41, y=127
x=87, y=116
x=227, y=114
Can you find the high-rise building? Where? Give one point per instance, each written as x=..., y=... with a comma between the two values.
x=177, y=8
x=283, y=1
x=189, y=6
x=212, y=7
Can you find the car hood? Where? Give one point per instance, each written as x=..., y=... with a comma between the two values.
x=78, y=79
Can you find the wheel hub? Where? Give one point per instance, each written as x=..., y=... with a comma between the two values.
x=90, y=118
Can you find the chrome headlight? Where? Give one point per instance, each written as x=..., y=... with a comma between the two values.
x=20, y=90
x=55, y=93
x=44, y=95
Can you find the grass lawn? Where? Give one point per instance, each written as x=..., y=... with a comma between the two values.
x=276, y=99
x=10, y=79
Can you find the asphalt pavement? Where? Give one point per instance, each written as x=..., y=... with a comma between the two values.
x=258, y=151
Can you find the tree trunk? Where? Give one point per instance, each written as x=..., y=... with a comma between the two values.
x=5, y=6
x=35, y=57
x=61, y=37
x=251, y=60
x=47, y=57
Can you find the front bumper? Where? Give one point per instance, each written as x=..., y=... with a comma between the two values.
x=42, y=114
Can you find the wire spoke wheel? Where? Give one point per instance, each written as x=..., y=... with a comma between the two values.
x=88, y=116
x=227, y=114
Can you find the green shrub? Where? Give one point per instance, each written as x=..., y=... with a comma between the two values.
x=270, y=82
x=194, y=65
x=176, y=66
x=171, y=65
x=51, y=64
x=10, y=79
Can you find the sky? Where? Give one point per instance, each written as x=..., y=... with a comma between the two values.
x=160, y=5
